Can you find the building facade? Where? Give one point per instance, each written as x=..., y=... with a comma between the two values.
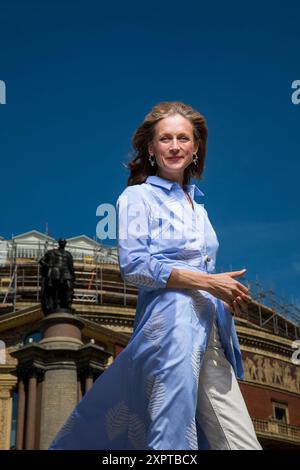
x=31, y=394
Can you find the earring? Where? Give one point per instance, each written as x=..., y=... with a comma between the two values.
x=151, y=160
x=195, y=159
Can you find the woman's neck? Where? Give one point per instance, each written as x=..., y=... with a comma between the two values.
x=178, y=180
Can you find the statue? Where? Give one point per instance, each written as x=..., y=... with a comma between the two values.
x=58, y=278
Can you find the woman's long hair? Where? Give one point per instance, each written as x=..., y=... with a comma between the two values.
x=139, y=165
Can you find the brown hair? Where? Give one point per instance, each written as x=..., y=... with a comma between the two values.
x=139, y=165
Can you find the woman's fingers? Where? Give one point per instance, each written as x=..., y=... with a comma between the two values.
x=229, y=297
x=242, y=304
x=237, y=273
x=236, y=308
x=238, y=284
x=228, y=289
x=242, y=288
x=228, y=307
x=247, y=298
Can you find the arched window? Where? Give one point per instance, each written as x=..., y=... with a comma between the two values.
x=33, y=337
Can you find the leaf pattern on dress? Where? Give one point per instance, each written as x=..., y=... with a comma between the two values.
x=196, y=359
x=116, y=420
x=156, y=395
x=136, y=432
x=191, y=436
x=155, y=328
x=201, y=303
x=141, y=279
x=149, y=386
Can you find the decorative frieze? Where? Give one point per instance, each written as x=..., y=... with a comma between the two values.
x=266, y=370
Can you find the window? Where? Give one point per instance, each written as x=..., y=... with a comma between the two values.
x=280, y=412
x=33, y=337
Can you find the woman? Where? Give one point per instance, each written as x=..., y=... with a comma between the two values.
x=174, y=386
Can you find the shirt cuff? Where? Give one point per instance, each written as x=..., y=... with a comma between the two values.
x=164, y=275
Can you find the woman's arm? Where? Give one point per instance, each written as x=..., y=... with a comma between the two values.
x=140, y=268
x=222, y=286
x=137, y=265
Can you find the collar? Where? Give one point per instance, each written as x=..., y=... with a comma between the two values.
x=192, y=189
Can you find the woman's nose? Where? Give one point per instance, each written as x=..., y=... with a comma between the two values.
x=174, y=144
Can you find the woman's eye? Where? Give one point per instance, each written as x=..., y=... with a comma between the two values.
x=180, y=138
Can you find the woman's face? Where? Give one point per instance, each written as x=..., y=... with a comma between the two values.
x=173, y=146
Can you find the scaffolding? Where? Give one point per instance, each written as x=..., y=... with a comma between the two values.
x=99, y=282
x=274, y=313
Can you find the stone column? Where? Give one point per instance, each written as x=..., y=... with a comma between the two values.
x=21, y=415
x=39, y=392
x=7, y=384
x=88, y=383
x=5, y=418
x=31, y=413
x=79, y=390
x=61, y=340
x=59, y=399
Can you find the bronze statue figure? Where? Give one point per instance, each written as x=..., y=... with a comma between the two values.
x=58, y=278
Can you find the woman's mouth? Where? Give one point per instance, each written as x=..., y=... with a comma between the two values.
x=174, y=159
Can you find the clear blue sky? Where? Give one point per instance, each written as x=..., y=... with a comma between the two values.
x=81, y=75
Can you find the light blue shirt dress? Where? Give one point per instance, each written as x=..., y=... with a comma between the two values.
x=147, y=398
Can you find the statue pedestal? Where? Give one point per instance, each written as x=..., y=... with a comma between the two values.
x=61, y=334
x=61, y=329
x=54, y=374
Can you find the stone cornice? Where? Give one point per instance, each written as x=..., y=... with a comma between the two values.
x=16, y=319
x=101, y=333
x=253, y=349
x=266, y=386
x=104, y=309
x=263, y=340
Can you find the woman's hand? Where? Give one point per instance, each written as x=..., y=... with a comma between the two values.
x=223, y=286
x=233, y=294
x=237, y=308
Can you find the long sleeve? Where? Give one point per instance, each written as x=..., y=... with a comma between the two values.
x=137, y=265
